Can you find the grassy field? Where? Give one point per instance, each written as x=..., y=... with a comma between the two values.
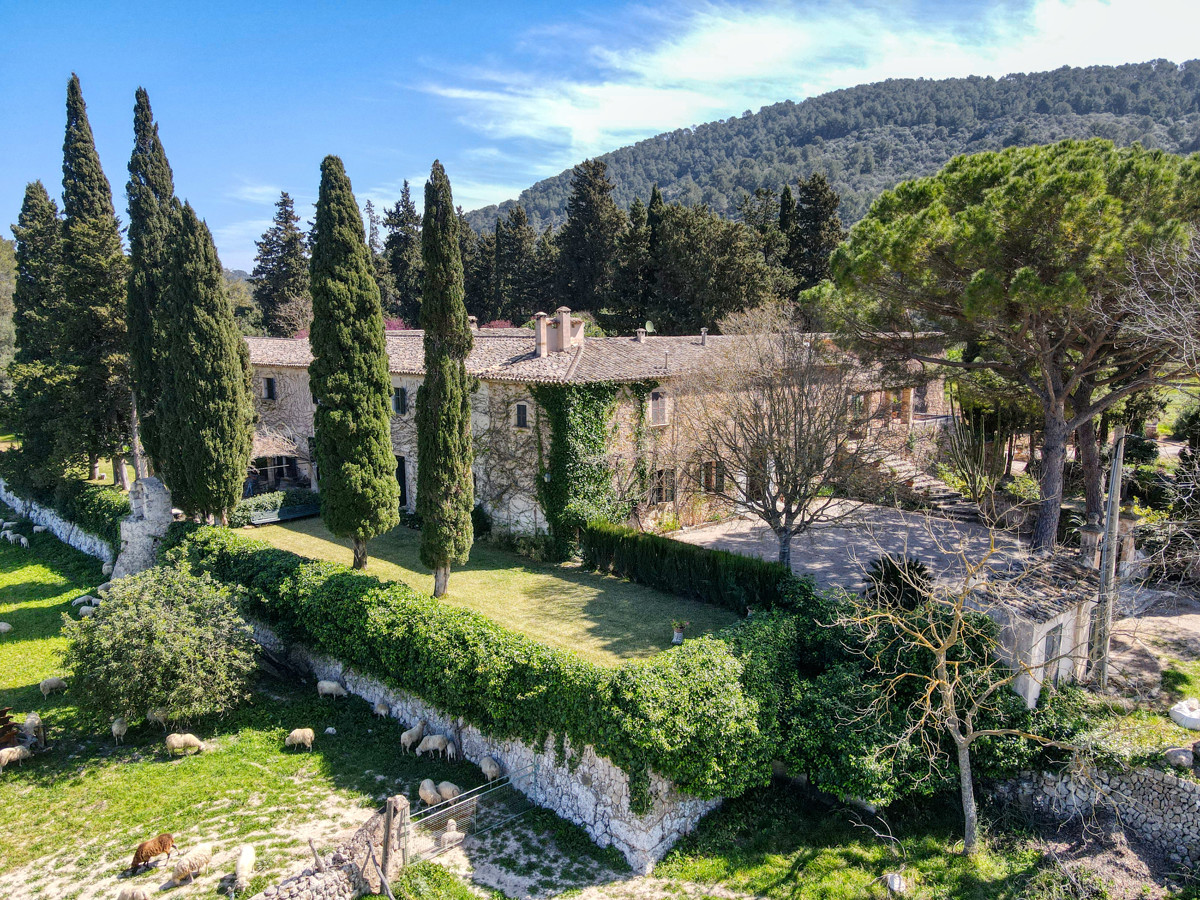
x=603, y=618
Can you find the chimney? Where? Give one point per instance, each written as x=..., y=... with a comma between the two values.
x=703, y=337
x=640, y=335
x=474, y=320
x=539, y=331
x=563, y=314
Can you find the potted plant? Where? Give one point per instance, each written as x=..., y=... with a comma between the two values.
x=679, y=625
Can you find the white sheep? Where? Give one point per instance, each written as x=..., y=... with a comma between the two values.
x=10, y=755
x=38, y=529
x=244, y=870
x=491, y=768
x=104, y=588
x=451, y=750
x=5, y=628
x=448, y=790
x=413, y=736
x=23, y=541
x=106, y=569
x=300, y=737
x=52, y=684
x=450, y=834
x=429, y=793
x=86, y=612
x=8, y=526
x=178, y=741
x=85, y=599
x=131, y=892
x=32, y=724
x=330, y=689
x=12, y=538
x=192, y=863
x=119, y=727
x=381, y=709
x=433, y=743
x=158, y=716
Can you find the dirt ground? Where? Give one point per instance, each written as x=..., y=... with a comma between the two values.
x=1130, y=869
x=1141, y=645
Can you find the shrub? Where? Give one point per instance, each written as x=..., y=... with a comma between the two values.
x=710, y=576
x=162, y=638
x=272, y=502
x=93, y=507
x=903, y=583
x=683, y=714
x=481, y=521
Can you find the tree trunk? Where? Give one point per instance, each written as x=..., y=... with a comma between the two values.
x=1093, y=475
x=966, y=786
x=1054, y=455
x=93, y=467
x=137, y=455
x=119, y=472
x=360, y=553
x=441, y=580
x=785, y=549
x=1012, y=450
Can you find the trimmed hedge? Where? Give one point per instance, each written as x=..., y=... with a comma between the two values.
x=716, y=577
x=271, y=502
x=96, y=508
x=684, y=714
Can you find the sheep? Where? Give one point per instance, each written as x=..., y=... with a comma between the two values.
x=330, y=689
x=448, y=790
x=131, y=892
x=8, y=526
x=23, y=541
x=33, y=724
x=300, y=737
x=185, y=742
x=381, y=709
x=86, y=612
x=434, y=743
x=85, y=599
x=5, y=628
x=429, y=793
x=119, y=727
x=158, y=716
x=11, y=755
x=52, y=684
x=12, y=538
x=193, y=862
x=491, y=768
x=451, y=750
x=450, y=834
x=412, y=736
x=106, y=569
x=244, y=870
x=38, y=529
x=148, y=850
x=104, y=588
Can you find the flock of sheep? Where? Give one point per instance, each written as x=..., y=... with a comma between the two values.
x=13, y=538
x=187, y=866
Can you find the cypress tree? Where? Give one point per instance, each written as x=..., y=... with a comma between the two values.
x=281, y=277
x=445, y=493
x=94, y=276
x=360, y=496
x=588, y=240
x=516, y=245
x=817, y=232
x=633, y=286
x=403, y=249
x=150, y=192
x=206, y=415
x=787, y=214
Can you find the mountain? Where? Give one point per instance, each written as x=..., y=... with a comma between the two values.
x=868, y=138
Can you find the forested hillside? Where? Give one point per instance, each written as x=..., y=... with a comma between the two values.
x=867, y=138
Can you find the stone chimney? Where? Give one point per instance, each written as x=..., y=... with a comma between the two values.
x=703, y=337
x=539, y=331
x=474, y=322
x=640, y=335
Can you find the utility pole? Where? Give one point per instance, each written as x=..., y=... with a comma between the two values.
x=1108, y=560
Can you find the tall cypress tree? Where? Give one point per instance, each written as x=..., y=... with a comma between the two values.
x=445, y=493
x=516, y=245
x=633, y=287
x=94, y=282
x=587, y=242
x=817, y=232
x=281, y=277
x=403, y=250
x=150, y=192
x=360, y=497
x=206, y=414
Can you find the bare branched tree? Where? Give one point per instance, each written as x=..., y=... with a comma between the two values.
x=780, y=425
x=1162, y=302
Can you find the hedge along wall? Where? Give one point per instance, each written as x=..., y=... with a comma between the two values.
x=717, y=577
x=684, y=714
x=94, y=534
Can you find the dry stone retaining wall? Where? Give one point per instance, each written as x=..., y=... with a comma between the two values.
x=67, y=532
x=592, y=791
x=1158, y=807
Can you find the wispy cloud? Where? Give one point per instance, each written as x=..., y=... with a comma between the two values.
x=254, y=193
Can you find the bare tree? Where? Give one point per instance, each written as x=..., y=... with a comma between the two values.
x=780, y=425
x=1162, y=302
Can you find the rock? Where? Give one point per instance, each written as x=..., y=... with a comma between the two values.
x=1179, y=756
x=331, y=730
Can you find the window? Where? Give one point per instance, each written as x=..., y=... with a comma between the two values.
x=662, y=486
x=1052, y=655
x=712, y=477
x=400, y=401
x=522, y=415
x=658, y=408
x=268, y=388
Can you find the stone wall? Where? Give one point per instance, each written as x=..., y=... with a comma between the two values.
x=594, y=794
x=65, y=531
x=1158, y=807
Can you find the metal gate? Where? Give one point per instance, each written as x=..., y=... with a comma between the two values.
x=436, y=829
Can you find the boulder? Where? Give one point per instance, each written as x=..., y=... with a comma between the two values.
x=1179, y=756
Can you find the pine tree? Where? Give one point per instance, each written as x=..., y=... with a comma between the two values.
x=150, y=192
x=654, y=216
x=479, y=271
x=403, y=250
x=516, y=244
x=205, y=410
x=587, y=242
x=360, y=496
x=633, y=286
x=281, y=278
x=94, y=282
x=787, y=214
x=379, y=263
x=445, y=493
x=8, y=282
x=817, y=231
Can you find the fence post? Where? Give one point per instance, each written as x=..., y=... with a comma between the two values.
x=387, y=836
x=403, y=828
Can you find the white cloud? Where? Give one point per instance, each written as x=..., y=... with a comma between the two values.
x=254, y=193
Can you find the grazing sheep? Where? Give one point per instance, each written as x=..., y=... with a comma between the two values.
x=244, y=870
x=178, y=741
x=429, y=793
x=106, y=569
x=451, y=750
x=192, y=863
x=86, y=599
x=413, y=736
x=9, y=536
x=448, y=790
x=381, y=709
x=450, y=834
x=104, y=588
x=158, y=716
x=119, y=727
x=433, y=743
x=52, y=684
x=38, y=529
x=491, y=768
x=23, y=541
x=9, y=525
x=86, y=612
x=33, y=730
x=148, y=850
x=300, y=737
x=330, y=689
x=10, y=755
x=5, y=628
x=133, y=893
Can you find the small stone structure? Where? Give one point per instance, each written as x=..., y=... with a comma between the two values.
x=592, y=792
x=1158, y=807
x=66, y=531
x=144, y=527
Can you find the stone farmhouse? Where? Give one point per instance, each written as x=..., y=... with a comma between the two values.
x=509, y=426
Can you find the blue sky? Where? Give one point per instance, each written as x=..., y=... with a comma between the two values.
x=250, y=96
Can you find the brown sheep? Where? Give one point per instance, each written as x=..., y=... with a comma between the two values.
x=147, y=850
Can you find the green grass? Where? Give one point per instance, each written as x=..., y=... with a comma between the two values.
x=1181, y=679
x=603, y=618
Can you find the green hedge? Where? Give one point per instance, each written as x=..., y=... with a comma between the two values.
x=684, y=714
x=97, y=508
x=272, y=502
x=710, y=576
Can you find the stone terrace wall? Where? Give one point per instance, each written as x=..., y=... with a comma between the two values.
x=1158, y=807
x=595, y=795
x=67, y=532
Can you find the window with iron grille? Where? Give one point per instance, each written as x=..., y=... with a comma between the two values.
x=400, y=401
x=522, y=415
x=268, y=388
x=662, y=486
x=712, y=477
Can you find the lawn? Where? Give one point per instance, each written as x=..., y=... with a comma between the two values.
x=603, y=618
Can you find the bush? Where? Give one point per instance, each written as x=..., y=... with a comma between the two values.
x=163, y=638
x=481, y=522
x=903, y=583
x=684, y=714
x=710, y=576
x=272, y=502
x=96, y=508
